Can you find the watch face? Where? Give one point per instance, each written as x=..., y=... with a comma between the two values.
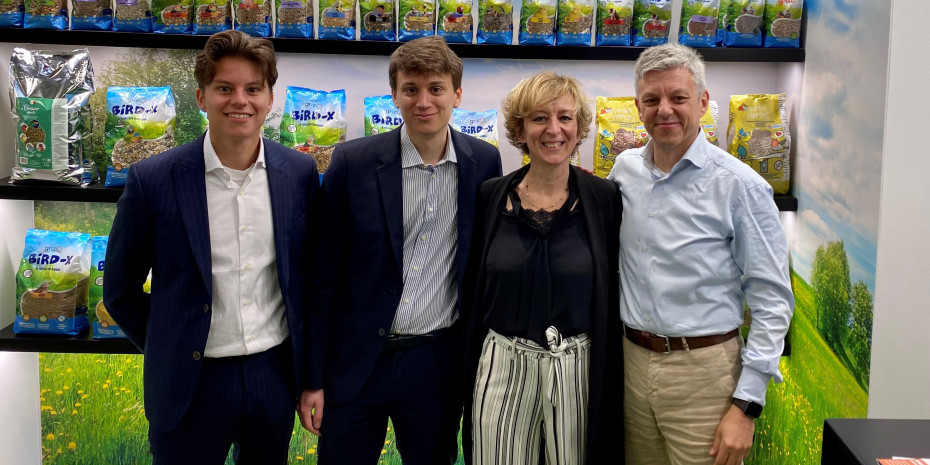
x=753, y=409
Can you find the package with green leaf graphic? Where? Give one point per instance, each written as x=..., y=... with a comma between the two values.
x=758, y=135
x=614, y=20
x=212, y=16
x=455, y=21
x=314, y=122
x=294, y=18
x=51, y=114
x=479, y=124
x=495, y=22
x=173, y=16
x=378, y=20
x=651, y=22
x=782, y=23
x=337, y=19
x=381, y=115
x=744, y=23
x=699, y=23
x=575, y=20
x=253, y=17
x=101, y=322
x=722, y=13
x=416, y=18
x=618, y=128
x=537, y=22
x=140, y=124
x=52, y=283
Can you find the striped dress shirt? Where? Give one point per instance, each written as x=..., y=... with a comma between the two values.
x=430, y=297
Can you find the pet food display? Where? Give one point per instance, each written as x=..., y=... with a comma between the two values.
x=699, y=23
x=758, y=135
x=537, y=22
x=618, y=128
x=91, y=15
x=253, y=17
x=722, y=13
x=651, y=22
x=416, y=18
x=455, y=21
x=46, y=14
x=101, y=322
x=173, y=16
x=479, y=124
x=52, y=283
x=378, y=20
x=337, y=19
x=495, y=22
x=11, y=13
x=133, y=16
x=744, y=23
x=140, y=124
x=782, y=23
x=575, y=20
x=381, y=115
x=212, y=16
x=294, y=18
x=614, y=19
x=50, y=94
x=314, y=122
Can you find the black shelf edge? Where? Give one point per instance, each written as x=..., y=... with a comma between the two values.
x=786, y=203
x=364, y=47
x=46, y=190
x=82, y=344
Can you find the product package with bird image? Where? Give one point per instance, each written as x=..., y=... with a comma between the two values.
x=575, y=20
x=337, y=19
x=782, y=23
x=140, y=124
x=172, y=16
x=294, y=18
x=416, y=18
x=618, y=128
x=479, y=124
x=377, y=20
x=651, y=20
x=758, y=135
x=614, y=22
x=253, y=17
x=381, y=115
x=699, y=23
x=495, y=22
x=314, y=122
x=52, y=283
x=744, y=23
x=538, y=22
x=102, y=324
x=455, y=21
x=212, y=16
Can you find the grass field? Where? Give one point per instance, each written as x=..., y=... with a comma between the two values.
x=816, y=386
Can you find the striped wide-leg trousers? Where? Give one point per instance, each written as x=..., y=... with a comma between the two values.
x=526, y=395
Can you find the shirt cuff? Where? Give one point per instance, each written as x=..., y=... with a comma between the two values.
x=752, y=385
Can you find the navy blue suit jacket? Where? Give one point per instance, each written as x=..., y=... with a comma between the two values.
x=161, y=224
x=359, y=277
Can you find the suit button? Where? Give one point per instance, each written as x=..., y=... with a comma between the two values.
x=381, y=331
x=196, y=355
x=206, y=308
x=393, y=290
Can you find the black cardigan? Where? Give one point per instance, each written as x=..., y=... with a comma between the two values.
x=602, y=207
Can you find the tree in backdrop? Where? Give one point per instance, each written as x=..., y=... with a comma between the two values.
x=830, y=280
x=859, y=339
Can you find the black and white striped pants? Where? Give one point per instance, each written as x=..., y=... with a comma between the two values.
x=525, y=394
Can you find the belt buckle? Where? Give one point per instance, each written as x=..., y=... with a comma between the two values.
x=668, y=346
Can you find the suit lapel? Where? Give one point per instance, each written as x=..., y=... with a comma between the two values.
x=190, y=188
x=468, y=192
x=281, y=207
x=390, y=182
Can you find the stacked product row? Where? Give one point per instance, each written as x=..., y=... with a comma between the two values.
x=704, y=23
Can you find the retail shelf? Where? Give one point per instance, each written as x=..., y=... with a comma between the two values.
x=44, y=190
x=360, y=47
x=786, y=203
x=82, y=344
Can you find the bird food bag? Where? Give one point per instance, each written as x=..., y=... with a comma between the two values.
x=378, y=20
x=699, y=23
x=173, y=16
x=575, y=20
x=495, y=22
x=455, y=22
x=92, y=15
x=11, y=13
x=744, y=23
x=651, y=21
x=133, y=16
x=314, y=122
x=294, y=18
x=101, y=322
x=212, y=16
x=337, y=19
x=253, y=17
x=479, y=124
x=614, y=19
x=381, y=115
x=140, y=124
x=537, y=22
x=50, y=94
x=709, y=122
x=46, y=14
x=52, y=283
x=416, y=18
x=758, y=135
x=722, y=21
x=782, y=23
x=618, y=128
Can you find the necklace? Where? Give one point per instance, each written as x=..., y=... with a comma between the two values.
x=535, y=200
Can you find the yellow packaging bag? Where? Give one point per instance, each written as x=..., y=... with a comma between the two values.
x=758, y=135
x=618, y=128
x=709, y=122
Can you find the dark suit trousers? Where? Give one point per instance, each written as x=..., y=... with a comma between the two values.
x=248, y=401
x=420, y=389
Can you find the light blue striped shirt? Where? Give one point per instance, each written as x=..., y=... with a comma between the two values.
x=431, y=291
x=695, y=244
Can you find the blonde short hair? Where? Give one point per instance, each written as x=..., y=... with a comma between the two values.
x=542, y=89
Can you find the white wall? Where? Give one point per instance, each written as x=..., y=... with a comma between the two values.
x=900, y=386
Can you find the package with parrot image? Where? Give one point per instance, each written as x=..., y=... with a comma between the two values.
x=758, y=135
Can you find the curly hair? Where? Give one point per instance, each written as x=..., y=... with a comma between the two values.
x=543, y=89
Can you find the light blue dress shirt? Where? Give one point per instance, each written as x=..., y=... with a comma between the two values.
x=696, y=243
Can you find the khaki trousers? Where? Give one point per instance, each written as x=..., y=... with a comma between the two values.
x=524, y=393
x=674, y=402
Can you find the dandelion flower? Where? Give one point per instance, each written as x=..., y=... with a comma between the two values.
x=58, y=392
x=74, y=412
x=311, y=451
x=72, y=445
x=80, y=391
x=383, y=451
x=53, y=412
x=41, y=399
x=68, y=370
x=119, y=374
x=48, y=370
x=106, y=386
x=66, y=387
x=84, y=396
x=300, y=457
x=46, y=407
x=50, y=437
x=387, y=442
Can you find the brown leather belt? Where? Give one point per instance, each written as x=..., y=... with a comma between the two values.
x=666, y=344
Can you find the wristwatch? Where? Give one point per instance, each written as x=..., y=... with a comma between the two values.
x=751, y=409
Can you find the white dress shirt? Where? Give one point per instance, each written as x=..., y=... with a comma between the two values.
x=248, y=308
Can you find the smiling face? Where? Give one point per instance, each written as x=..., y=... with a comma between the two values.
x=426, y=102
x=670, y=107
x=550, y=131
x=236, y=101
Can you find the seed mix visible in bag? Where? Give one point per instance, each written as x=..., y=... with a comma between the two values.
x=212, y=16
x=651, y=22
x=253, y=17
x=538, y=22
x=140, y=124
x=314, y=122
x=173, y=16
x=378, y=20
x=744, y=23
x=101, y=322
x=618, y=128
x=294, y=18
x=11, y=13
x=92, y=15
x=416, y=18
x=495, y=22
x=782, y=23
x=575, y=20
x=337, y=19
x=699, y=23
x=455, y=21
x=614, y=19
x=133, y=16
x=758, y=135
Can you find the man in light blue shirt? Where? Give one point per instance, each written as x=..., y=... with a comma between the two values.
x=700, y=236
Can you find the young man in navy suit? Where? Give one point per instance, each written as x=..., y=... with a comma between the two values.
x=222, y=222
x=395, y=226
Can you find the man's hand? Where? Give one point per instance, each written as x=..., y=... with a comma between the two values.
x=733, y=438
x=310, y=410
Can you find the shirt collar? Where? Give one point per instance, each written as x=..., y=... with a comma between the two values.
x=410, y=156
x=695, y=155
x=212, y=162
